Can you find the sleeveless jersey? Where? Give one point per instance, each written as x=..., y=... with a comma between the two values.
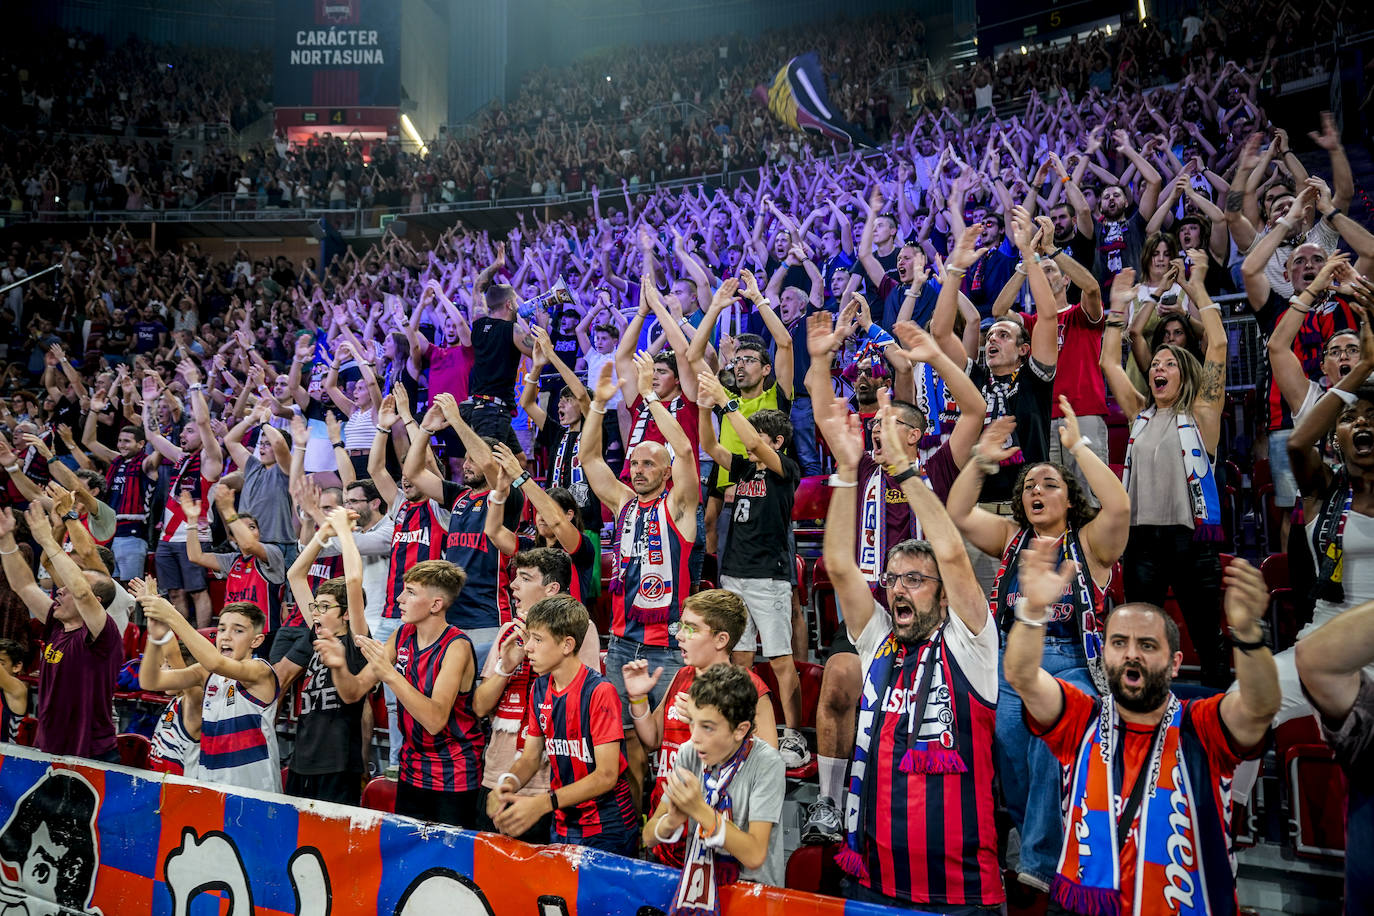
x=186, y=478
x=420, y=533
x=484, y=601
x=247, y=583
x=1068, y=615
x=130, y=495
x=933, y=837
x=238, y=743
x=675, y=733
x=450, y=761
x=652, y=576
x=174, y=750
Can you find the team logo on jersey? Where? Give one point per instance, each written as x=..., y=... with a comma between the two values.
x=230, y=693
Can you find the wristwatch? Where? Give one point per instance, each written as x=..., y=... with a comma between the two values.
x=1245, y=645
x=731, y=405
x=652, y=398
x=519, y=482
x=72, y=516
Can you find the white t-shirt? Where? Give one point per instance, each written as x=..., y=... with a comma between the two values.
x=1357, y=569
x=595, y=360
x=976, y=655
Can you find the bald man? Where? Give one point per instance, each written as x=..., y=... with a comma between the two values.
x=655, y=525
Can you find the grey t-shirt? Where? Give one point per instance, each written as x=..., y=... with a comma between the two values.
x=267, y=497
x=756, y=794
x=273, y=568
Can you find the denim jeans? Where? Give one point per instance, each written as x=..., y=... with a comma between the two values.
x=620, y=652
x=385, y=628
x=804, y=437
x=1029, y=772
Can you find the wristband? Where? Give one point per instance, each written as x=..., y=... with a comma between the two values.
x=553, y=799
x=835, y=481
x=337, y=444
x=500, y=673
x=167, y=637
x=1295, y=303
x=1079, y=444
x=717, y=839
x=652, y=398
x=383, y=430
x=1331, y=217
x=673, y=838
x=1021, y=268
x=956, y=271
x=594, y=408
x=1347, y=397
x=1248, y=645
x=1054, y=254
x=1020, y=608
x=12, y=468
x=5, y=553
x=508, y=775
x=906, y=475
x=1116, y=322
x=530, y=379
x=495, y=502
x=986, y=465
x=646, y=715
x=1209, y=307
x=231, y=519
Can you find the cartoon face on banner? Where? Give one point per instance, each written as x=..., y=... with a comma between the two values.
x=83, y=838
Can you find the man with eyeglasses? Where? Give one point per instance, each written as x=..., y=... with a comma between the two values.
x=919, y=814
x=884, y=519
x=373, y=536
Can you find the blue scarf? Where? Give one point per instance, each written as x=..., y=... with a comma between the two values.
x=922, y=756
x=1202, y=483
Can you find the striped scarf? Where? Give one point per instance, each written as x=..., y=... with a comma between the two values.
x=935, y=755
x=704, y=870
x=1169, y=874
x=1202, y=483
x=1328, y=540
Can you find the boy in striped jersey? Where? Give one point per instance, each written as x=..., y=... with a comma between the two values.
x=574, y=717
x=238, y=743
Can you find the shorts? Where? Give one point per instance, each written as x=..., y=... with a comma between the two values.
x=131, y=557
x=769, y=602
x=620, y=652
x=1285, y=484
x=841, y=644
x=343, y=788
x=176, y=571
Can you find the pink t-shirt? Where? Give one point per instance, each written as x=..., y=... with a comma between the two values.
x=448, y=371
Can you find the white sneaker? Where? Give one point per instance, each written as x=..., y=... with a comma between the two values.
x=822, y=823
x=792, y=747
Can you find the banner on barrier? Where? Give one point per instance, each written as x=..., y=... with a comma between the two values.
x=81, y=837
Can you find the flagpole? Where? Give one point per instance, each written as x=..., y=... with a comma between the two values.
x=24, y=280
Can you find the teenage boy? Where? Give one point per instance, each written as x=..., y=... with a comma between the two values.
x=573, y=716
x=756, y=563
x=712, y=622
x=327, y=764
x=176, y=737
x=238, y=740
x=428, y=664
x=726, y=789
x=504, y=691
x=255, y=572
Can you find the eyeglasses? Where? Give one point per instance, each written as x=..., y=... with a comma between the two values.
x=319, y=607
x=749, y=360
x=911, y=580
x=1351, y=350
x=876, y=423
x=356, y=502
x=690, y=629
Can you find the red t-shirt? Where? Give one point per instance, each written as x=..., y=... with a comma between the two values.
x=1066, y=736
x=1078, y=376
x=646, y=429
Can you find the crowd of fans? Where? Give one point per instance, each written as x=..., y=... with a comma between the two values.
x=405, y=465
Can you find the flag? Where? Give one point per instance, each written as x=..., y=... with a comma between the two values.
x=798, y=99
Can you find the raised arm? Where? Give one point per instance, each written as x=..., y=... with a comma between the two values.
x=988, y=532
x=1248, y=710
x=19, y=570
x=66, y=574
x=1211, y=397
x=1041, y=587
x=844, y=435
x=1123, y=293
x=782, y=338
x=600, y=477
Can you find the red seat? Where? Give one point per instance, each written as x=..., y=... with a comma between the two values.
x=133, y=750
x=28, y=731
x=810, y=676
x=813, y=869
x=210, y=633
x=1317, y=791
x=825, y=612
x=809, y=509
x=216, y=587
x=1274, y=568
x=380, y=721
x=380, y=795
x=134, y=639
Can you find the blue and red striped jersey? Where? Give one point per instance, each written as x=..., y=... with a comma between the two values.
x=573, y=722
x=485, y=600
x=421, y=529
x=652, y=569
x=129, y=492
x=246, y=582
x=450, y=761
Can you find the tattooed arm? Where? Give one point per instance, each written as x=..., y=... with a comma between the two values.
x=1211, y=397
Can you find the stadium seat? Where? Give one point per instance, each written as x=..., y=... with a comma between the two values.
x=813, y=869
x=809, y=510
x=133, y=750
x=28, y=731
x=216, y=587
x=1316, y=791
x=380, y=795
x=134, y=639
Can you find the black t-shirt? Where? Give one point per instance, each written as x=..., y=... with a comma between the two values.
x=329, y=735
x=495, y=358
x=757, y=545
x=68, y=412
x=796, y=275
x=1082, y=250
x=1027, y=395
x=1118, y=245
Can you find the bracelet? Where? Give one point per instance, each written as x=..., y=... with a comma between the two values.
x=1247, y=645
x=986, y=465
x=1116, y=322
x=337, y=444
x=906, y=475
x=676, y=835
x=530, y=379
x=1020, y=608
x=383, y=430
x=5, y=553
x=231, y=519
x=717, y=838
x=495, y=502
x=1347, y=397
x=1079, y=444
x=168, y=637
x=595, y=409
x=639, y=718
x=1021, y=268
x=508, y=775
x=553, y=799
x=1209, y=307
x=1054, y=254
x=1296, y=304
x=835, y=481
x=956, y=271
